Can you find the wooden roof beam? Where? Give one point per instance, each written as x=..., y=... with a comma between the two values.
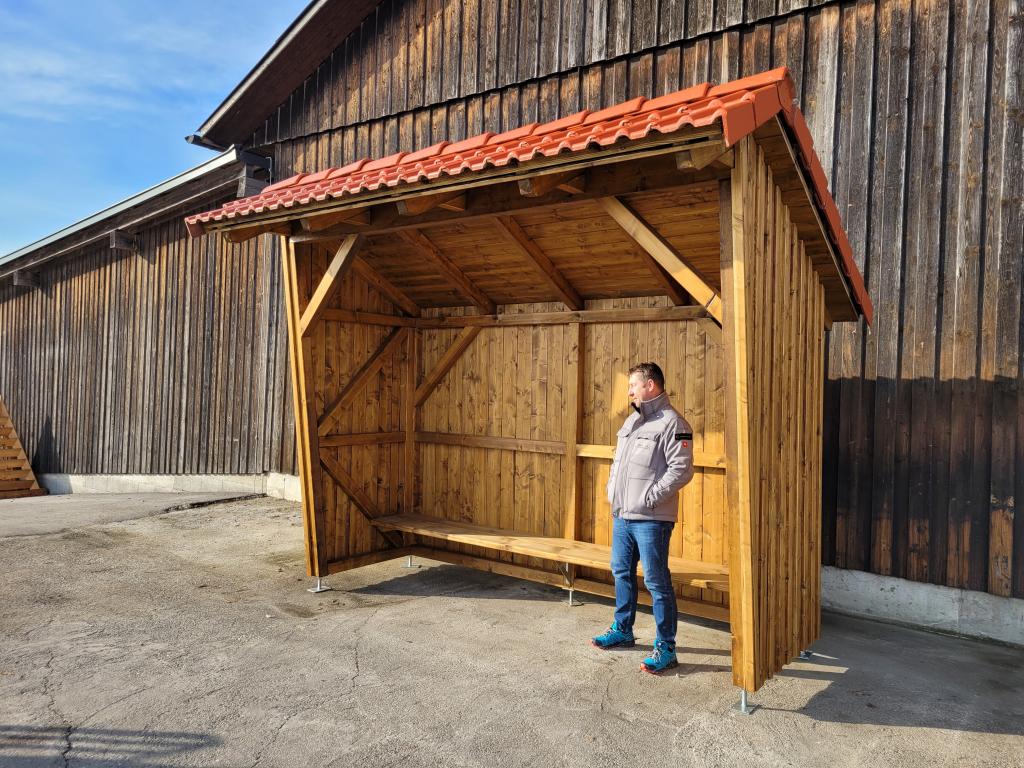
x=701, y=157
x=242, y=234
x=392, y=292
x=446, y=201
x=515, y=234
x=666, y=256
x=450, y=270
x=573, y=182
x=359, y=217
x=339, y=265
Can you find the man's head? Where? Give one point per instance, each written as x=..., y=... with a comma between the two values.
x=646, y=382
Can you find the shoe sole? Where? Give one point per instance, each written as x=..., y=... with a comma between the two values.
x=623, y=644
x=656, y=672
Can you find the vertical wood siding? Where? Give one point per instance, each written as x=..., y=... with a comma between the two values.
x=169, y=361
x=915, y=108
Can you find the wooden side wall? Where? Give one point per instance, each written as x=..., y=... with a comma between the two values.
x=914, y=108
x=169, y=361
x=774, y=337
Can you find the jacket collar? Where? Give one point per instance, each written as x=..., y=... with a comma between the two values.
x=650, y=407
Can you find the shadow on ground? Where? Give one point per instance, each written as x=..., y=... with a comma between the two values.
x=27, y=746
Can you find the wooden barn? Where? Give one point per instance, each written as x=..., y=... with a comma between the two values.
x=914, y=111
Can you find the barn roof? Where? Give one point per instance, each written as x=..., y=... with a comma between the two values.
x=739, y=106
x=302, y=46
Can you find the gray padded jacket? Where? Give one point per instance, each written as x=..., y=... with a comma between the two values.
x=653, y=460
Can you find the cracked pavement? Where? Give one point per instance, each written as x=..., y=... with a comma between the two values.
x=187, y=638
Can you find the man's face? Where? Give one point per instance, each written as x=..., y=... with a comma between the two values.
x=641, y=389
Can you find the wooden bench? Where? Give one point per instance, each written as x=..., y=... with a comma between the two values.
x=693, y=573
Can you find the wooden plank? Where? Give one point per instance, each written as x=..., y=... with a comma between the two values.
x=350, y=216
x=511, y=229
x=632, y=315
x=371, y=558
x=366, y=318
x=336, y=440
x=450, y=357
x=388, y=346
x=449, y=269
x=558, y=549
x=410, y=466
x=499, y=443
x=340, y=264
x=654, y=244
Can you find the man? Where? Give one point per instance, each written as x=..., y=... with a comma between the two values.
x=653, y=460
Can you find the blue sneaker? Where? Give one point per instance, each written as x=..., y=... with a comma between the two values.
x=663, y=657
x=616, y=637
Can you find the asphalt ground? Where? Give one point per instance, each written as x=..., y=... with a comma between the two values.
x=188, y=638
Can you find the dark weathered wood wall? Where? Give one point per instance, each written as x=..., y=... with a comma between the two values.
x=915, y=107
x=169, y=361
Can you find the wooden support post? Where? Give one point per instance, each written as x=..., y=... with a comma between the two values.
x=329, y=283
x=448, y=359
x=361, y=378
x=572, y=474
x=510, y=228
x=449, y=269
x=659, y=248
x=410, y=371
x=306, y=437
x=736, y=242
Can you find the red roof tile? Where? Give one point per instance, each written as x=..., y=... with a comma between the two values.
x=740, y=106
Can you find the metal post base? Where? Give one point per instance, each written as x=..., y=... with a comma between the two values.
x=805, y=655
x=409, y=563
x=320, y=586
x=572, y=603
x=744, y=707
x=568, y=576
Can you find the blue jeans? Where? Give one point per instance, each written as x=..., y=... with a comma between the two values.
x=646, y=542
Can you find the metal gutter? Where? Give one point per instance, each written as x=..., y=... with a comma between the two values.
x=232, y=155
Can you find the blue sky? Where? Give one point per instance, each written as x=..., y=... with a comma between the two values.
x=97, y=97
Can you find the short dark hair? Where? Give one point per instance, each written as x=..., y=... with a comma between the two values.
x=650, y=371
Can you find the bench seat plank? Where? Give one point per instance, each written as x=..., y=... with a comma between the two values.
x=690, y=572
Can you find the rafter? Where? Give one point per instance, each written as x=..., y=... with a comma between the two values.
x=450, y=270
x=351, y=216
x=573, y=182
x=339, y=265
x=395, y=294
x=448, y=201
x=517, y=236
x=660, y=249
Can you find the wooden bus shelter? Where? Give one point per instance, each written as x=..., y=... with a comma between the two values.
x=462, y=319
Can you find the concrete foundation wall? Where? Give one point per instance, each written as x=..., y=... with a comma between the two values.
x=929, y=606
x=272, y=484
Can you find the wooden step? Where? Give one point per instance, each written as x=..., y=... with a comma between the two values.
x=693, y=573
x=22, y=494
